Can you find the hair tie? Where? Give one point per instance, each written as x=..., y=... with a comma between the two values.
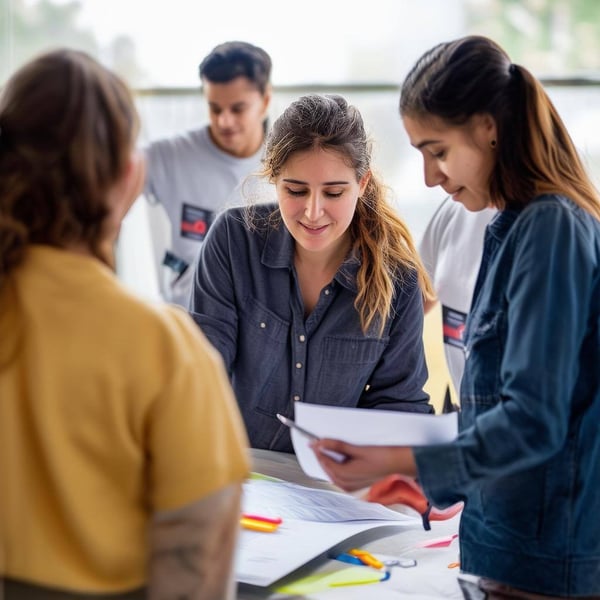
x=512, y=68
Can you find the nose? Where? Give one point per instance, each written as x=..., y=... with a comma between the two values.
x=433, y=174
x=225, y=119
x=314, y=207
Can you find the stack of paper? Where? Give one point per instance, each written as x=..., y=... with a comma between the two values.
x=315, y=522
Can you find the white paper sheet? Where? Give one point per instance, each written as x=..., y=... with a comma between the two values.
x=314, y=521
x=367, y=427
x=293, y=501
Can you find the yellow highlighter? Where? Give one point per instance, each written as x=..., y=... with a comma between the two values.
x=258, y=525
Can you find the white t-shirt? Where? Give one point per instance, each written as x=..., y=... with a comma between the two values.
x=451, y=250
x=194, y=180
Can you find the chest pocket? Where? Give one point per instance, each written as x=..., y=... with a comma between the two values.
x=346, y=366
x=484, y=352
x=261, y=334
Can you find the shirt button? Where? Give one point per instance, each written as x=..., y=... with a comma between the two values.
x=367, y=387
x=301, y=338
x=263, y=325
x=296, y=398
x=327, y=292
x=298, y=365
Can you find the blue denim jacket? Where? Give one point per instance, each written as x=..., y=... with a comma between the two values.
x=246, y=300
x=527, y=459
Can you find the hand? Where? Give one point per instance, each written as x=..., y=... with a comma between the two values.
x=364, y=464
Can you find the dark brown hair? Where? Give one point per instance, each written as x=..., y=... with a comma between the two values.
x=456, y=80
x=67, y=129
x=234, y=59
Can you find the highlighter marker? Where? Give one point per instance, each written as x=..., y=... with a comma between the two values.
x=367, y=558
x=261, y=526
x=367, y=579
x=275, y=520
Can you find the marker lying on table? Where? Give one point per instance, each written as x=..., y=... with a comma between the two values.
x=360, y=557
x=366, y=558
x=367, y=578
x=275, y=520
x=311, y=436
x=258, y=523
x=348, y=558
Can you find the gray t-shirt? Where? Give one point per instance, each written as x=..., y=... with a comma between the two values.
x=451, y=251
x=193, y=179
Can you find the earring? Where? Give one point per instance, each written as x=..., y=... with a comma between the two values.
x=492, y=143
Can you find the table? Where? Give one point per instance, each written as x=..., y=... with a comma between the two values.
x=430, y=579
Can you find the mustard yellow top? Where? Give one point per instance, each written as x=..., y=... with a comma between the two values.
x=110, y=408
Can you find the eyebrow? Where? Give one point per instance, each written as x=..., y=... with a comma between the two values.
x=240, y=104
x=297, y=181
x=426, y=143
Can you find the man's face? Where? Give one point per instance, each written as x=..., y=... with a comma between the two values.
x=237, y=110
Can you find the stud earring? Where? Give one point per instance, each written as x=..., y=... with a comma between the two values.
x=492, y=143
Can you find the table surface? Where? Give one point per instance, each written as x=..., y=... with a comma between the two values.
x=431, y=579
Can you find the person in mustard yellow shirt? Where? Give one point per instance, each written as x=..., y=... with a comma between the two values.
x=122, y=451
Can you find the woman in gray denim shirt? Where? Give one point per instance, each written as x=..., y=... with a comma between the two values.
x=527, y=459
x=318, y=298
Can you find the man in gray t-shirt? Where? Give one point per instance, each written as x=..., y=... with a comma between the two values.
x=196, y=174
x=451, y=250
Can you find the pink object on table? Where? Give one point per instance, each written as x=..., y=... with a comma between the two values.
x=442, y=542
x=398, y=489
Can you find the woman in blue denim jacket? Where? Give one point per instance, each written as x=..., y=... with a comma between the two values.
x=318, y=298
x=527, y=459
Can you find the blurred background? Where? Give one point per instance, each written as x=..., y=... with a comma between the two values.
x=360, y=51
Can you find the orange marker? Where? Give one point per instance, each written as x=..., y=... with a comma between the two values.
x=366, y=558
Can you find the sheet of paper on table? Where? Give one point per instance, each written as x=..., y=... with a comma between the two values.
x=366, y=427
x=315, y=521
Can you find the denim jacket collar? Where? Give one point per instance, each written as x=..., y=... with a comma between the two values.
x=499, y=226
x=496, y=230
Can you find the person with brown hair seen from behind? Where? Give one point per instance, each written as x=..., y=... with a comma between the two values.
x=196, y=174
x=319, y=297
x=122, y=451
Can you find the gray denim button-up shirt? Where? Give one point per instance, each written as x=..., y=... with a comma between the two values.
x=246, y=299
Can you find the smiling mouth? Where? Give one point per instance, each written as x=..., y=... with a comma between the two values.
x=227, y=133
x=311, y=229
x=455, y=192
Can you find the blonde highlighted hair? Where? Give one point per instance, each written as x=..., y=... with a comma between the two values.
x=379, y=237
